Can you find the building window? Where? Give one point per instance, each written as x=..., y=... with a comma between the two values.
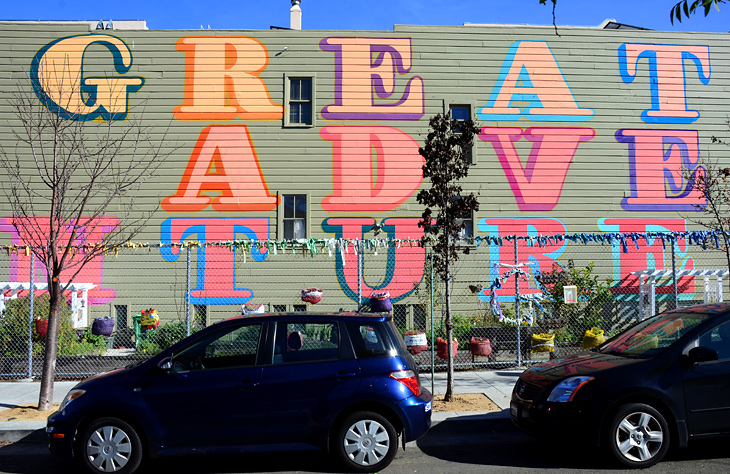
x=201, y=315
x=121, y=315
x=295, y=216
x=463, y=113
x=467, y=233
x=300, y=101
x=400, y=315
x=279, y=308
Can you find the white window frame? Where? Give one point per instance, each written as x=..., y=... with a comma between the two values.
x=288, y=101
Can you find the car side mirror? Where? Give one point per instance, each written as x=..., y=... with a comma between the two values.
x=701, y=354
x=165, y=364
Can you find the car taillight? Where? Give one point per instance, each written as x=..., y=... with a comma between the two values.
x=409, y=379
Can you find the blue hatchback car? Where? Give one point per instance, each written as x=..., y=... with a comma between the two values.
x=343, y=383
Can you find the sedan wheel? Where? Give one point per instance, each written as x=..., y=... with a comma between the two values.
x=366, y=442
x=110, y=445
x=639, y=435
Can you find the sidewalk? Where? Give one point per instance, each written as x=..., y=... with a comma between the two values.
x=496, y=385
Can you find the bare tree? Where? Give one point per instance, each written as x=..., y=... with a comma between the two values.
x=65, y=175
x=710, y=179
x=446, y=153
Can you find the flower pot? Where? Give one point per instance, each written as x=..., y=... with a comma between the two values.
x=41, y=327
x=102, y=327
x=543, y=343
x=479, y=347
x=380, y=302
x=441, y=348
x=416, y=342
x=312, y=295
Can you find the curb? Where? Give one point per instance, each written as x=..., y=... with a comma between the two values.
x=34, y=432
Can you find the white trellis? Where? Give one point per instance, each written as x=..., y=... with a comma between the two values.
x=79, y=303
x=647, y=286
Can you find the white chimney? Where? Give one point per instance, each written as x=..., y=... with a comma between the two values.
x=296, y=15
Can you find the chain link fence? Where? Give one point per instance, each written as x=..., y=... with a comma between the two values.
x=512, y=294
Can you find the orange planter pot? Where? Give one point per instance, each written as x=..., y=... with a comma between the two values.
x=441, y=349
x=480, y=348
x=416, y=342
x=41, y=327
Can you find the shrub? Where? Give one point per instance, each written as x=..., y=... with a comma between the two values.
x=14, y=330
x=167, y=335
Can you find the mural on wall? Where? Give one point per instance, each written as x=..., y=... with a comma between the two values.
x=536, y=184
x=376, y=168
x=92, y=272
x=367, y=73
x=216, y=270
x=58, y=79
x=404, y=263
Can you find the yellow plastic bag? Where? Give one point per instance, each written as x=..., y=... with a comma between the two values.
x=543, y=343
x=593, y=337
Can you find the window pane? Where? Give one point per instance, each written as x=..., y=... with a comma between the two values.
x=298, y=229
x=288, y=230
x=459, y=112
x=231, y=347
x=288, y=206
x=295, y=112
x=468, y=231
x=300, y=205
x=305, y=89
x=305, y=113
x=295, y=91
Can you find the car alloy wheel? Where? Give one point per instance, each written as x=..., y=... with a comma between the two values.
x=639, y=435
x=110, y=445
x=366, y=442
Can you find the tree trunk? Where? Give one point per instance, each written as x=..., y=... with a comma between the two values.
x=449, y=396
x=45, y=398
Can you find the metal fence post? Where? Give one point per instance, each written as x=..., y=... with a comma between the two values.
x=360, y=262
x=674, y=276
x=517, y=303
x=433, y=353
x=30, y=315
x=187, y=293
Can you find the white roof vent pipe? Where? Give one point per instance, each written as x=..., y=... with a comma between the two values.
x=296, y=15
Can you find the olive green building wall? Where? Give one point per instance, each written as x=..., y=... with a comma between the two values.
x=583, y=134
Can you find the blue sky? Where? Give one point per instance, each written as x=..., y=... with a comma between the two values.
x=364, y=14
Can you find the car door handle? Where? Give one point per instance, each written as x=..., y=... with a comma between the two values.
x=247, y=385
x=343, y=375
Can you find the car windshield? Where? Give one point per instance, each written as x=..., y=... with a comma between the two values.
x=651, y=336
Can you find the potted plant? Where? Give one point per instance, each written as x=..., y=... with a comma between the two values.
x=415, y=341
x=149, y=318
x=41, y=327
x=480, y=346
x=543, y=343
x=102, y=326
x=312, y=295
x=380, y=302
x=441, y=348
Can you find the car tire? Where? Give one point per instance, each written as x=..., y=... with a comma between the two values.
x=109, y=445
x=366, y=442
x=639, y=435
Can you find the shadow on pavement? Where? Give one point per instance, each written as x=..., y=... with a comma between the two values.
x=496, y=442
x=464, y=440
